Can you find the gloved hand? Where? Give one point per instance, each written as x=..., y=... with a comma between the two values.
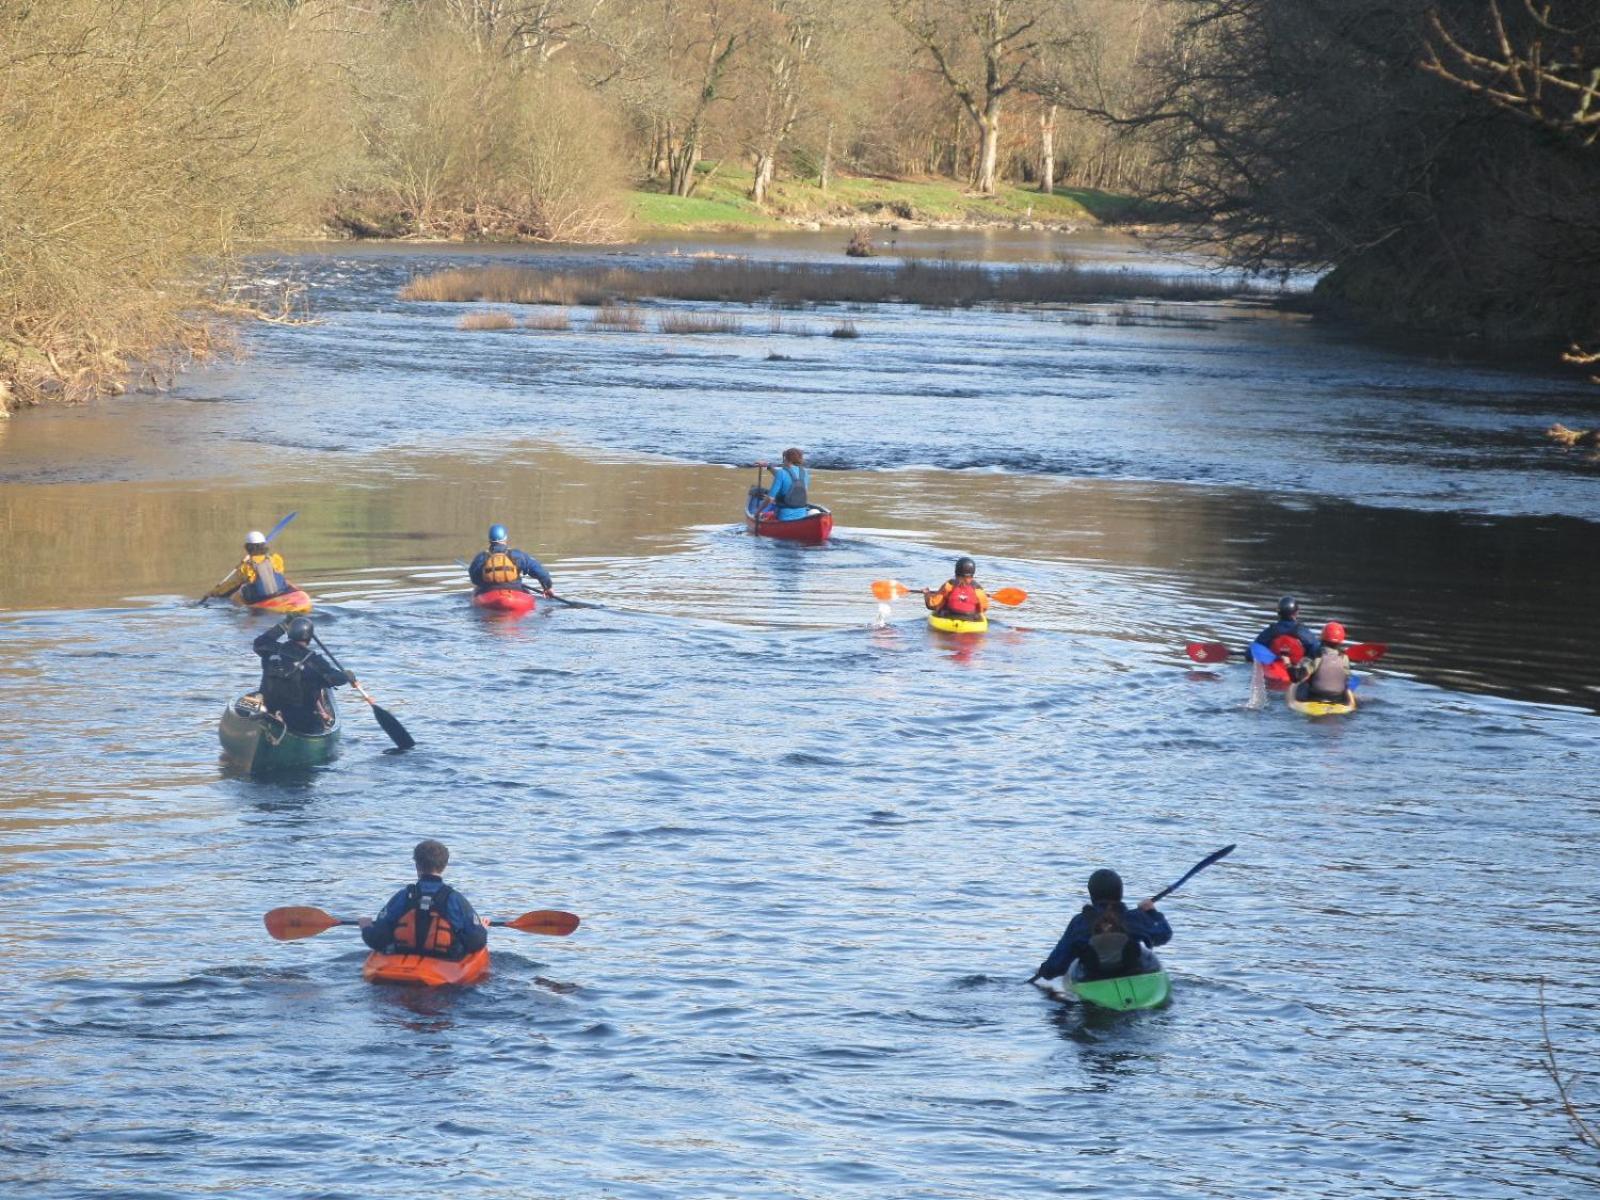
x=549, y=593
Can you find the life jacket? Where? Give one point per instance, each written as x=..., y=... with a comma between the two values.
x=1331, y=679
x=500, y=569
x=266, y=583
x=795, y=497
x=283, y=680
x=1113, y=949
x=961, y=600
x=424, y=928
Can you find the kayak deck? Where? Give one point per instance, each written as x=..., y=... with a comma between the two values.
x=506, y=600
x=957, y=624
x=425, y=970
x=1294, y=697
x=1124, y=993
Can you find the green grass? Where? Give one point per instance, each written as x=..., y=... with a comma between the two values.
x=723, y=202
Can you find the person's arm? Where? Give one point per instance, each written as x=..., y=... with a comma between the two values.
x=465, y=926
x=265, y=642
x=1066, y=950
x=1147, y=923
x=983, y=599
x=934, y=599
x=328, y=675
x=379, y=932
x=782, y=481
x=475, y=570
x=529, y=565
x=230, y=585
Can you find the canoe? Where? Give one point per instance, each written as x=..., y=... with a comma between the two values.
x=261, y=743
x=957, y=625
x=294, y=601
x=1317, y=708
x=812, y=529
x=424, y=970
x=505, y=600
x=1124, y=993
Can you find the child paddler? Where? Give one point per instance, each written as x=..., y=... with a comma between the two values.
x=1327, y=676
x=1107, y=937
x=429, y=916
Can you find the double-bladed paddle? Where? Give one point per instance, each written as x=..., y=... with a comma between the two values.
x=301, y=921
x=272, y=533
x=1215, y=652
x=551, y=596
x=391, y=725
x=891, y=589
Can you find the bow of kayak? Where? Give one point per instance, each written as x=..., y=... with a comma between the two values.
x=425, y=970
x=957, y=624
x=505, y=600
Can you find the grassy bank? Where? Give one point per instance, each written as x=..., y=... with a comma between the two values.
x=722, y=202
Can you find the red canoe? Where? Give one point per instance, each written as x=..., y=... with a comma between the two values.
x=813, y=528
x=506, y=600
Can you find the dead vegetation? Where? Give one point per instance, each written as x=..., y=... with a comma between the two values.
x=487, y=320
x=624, y=318
x=556, y=322
x=682, y=322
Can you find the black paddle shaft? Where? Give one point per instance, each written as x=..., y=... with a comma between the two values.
x=390, y=723
x=1195, y=870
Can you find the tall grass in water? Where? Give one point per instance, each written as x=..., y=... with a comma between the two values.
x=680, y=322
x=487, y=320
x=554, y=321
x=624, y=318
x=845, y=329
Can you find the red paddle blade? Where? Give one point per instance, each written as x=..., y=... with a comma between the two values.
x=888, y=589
x=1009, y=595
x=1367, y=651
x=1208, y=652
x=299, y=921
x=548, y=921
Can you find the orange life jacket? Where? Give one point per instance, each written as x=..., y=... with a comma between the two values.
x=424, y=929
x=499, y=568
x=961, y=600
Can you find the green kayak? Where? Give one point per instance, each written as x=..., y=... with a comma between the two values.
x=261, y=743
x=1124, y=993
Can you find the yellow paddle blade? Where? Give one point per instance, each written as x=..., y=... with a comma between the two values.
x=1009, y=595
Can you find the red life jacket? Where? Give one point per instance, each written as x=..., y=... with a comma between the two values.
x=962, y=600
x=424, y=929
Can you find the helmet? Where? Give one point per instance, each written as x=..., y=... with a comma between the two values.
x=255, y=538
x=1333, y=633
x=1104, y=886
x=965, y=566
x=1287, y=607
x=301, y=629
x=498, y=535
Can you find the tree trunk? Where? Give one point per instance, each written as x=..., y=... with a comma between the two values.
x=763, y=177
x=1047, y=150
x=827, y=160
x=988, y=146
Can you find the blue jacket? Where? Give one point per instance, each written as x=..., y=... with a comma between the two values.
x=1149, y=928
x=784, y=480
x=466, y=931
x=526, y=563
x=1294, y=629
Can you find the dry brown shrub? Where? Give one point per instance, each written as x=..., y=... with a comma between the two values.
x=680, y=322
x=553, y=321
x=487, y=320
x=625, y=318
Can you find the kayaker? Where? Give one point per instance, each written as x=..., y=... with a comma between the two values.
x=787, y=498
x=1106, y=936
x=295, y=678
x=960, y=597
x=501, y=567
x=411, y=922
x=1327, y=676
x=260, y=574
x=1288, y=625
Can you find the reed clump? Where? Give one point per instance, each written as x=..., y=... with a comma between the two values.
x=557, y=321
x=845, y=329
x=487, y=320
x=681, y=322
x=624, y=318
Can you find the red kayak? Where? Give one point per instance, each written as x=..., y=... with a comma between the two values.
x=294, y=601
x=506, y=600
x=812, y=528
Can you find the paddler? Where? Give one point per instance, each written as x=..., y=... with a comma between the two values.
x=260, y=574
x=788, y=499
x=1288, y=625
x=501, y=567
x=1327, y=676
x=429, y=916
x=295, y=678
x=960, y=597
x=1107, y=937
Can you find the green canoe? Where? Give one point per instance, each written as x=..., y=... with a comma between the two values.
x=260, y=742
x=1148, y=989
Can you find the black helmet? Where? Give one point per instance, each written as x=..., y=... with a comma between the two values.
x=300, y=629
x=1105, y=886
x=1287, y=607
x=965, y=566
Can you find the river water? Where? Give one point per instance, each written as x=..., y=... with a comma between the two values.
x=815, y=855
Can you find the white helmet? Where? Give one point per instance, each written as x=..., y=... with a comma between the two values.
x=255, y=538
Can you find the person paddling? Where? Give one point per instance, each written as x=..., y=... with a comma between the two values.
x=960, y=597
x=1327, y=676
x=501, y=567
x=258, y=577
x=428, y=917
x=1288, y=625
x=1107, y=938
x=295, y=679
x=788, y=499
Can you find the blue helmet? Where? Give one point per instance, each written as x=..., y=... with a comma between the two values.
x=498, y=535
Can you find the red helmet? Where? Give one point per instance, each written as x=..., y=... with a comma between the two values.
x=1333, y=633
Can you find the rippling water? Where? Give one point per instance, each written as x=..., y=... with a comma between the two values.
x=814, y=856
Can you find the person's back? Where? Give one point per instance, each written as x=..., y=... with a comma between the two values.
x=259, y=575
x=427, y=917
x=502, y=567
x=790, y=491
x=1327, y=677
x=1106, y=938
x=1288, y=625
x=294, y=678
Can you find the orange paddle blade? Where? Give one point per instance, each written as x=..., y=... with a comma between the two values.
x=1009, y=595
x=545, y=920
x=888, y=589
x=299, y=921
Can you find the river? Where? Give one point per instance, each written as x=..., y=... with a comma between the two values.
x=815, y=854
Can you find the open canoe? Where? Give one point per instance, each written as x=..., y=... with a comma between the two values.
x=1124, y=993
x=290, y=603
x=813, y=528
x=957, y=624
x=261, y=743
x=1296, y=698
x=505, y=600
x=424, y=970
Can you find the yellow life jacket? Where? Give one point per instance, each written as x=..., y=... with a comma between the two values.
x=499, y=568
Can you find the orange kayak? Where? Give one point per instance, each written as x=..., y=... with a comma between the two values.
x=425, y=970
x=292, y=601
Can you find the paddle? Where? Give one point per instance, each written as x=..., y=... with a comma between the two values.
x=890, y=589
x=1366, y=651
x=272, y=533
x=1205, y=862
x=396, y=731
x=300, y=921
x=551, y=596
x=1208, y=652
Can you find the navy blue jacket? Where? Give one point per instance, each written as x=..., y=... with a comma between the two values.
x=1149, y=928
x=526, y=563
x=1294, y=629
x=467, y=933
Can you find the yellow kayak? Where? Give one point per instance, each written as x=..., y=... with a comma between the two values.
x=957, y=625
x=1294, y=697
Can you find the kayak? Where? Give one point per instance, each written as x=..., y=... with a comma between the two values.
x=506, y=600
x=957, y=625
x=424, y=969
x=1124, y=993
x=1295, y=698
x=293, y=601
x=260, y=742
x=812, y=529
